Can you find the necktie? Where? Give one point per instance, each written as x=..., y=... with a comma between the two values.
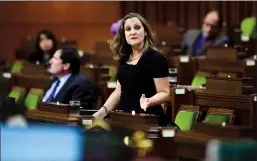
x=198, y=45
x=51, y=97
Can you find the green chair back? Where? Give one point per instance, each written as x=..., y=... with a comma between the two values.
x=16, y=67
x=18, y=95
x=185, y=119
x=32, y=99
x=112, y=73
x=198, y=81
x=248, y=26
x=217, y=118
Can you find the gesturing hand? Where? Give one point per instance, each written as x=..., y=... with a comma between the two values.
x=97, y=115
x=144, y=102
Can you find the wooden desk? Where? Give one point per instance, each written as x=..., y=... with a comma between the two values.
x=240, y=68
x=232, y=86
x=62, y=113
x=191, y=145
x=222, y=53
x=50, y=117
x=186, y=71
x=130, y=123
x=182, y=94
x=137, y=119
x=209, y=65
x=184, y=146
x=229, y=131
x=243, y=105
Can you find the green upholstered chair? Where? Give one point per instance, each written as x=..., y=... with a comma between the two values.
x=112, y=73
x=16, y=67
x=219, y=116
x=248, y=27
x=237, y=150
x=33, y=97
x=198, y=81
x=186, y=117
x=18, y=93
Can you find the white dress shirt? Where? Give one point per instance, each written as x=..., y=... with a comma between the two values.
x=63, y=79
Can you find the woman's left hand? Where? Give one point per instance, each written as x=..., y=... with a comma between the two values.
x=144, y=102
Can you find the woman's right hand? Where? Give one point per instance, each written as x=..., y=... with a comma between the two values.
x=98, y=115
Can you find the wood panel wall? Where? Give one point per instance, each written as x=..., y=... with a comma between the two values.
x=190, y=14
x=86, y=22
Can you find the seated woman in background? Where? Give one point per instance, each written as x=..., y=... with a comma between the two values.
x=142, y=84
x=45, y=47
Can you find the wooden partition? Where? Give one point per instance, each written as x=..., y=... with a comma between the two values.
x=31, y=81
x=225, y=59
x=38, y=116
x=222, y=53
x=187, y=68
x=96, y=74
x=54, y=113
x=137, y=119
x=182, y=95
x=230, y=131
x=231, y=86
x=34, y=70
x=132, y=122
x=239, y=67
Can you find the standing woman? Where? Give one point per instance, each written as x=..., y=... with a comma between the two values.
x=142, y=84
x=46, y=44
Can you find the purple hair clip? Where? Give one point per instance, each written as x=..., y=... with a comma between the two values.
x=115, y=27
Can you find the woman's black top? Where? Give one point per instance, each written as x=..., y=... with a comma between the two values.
x=138, y=79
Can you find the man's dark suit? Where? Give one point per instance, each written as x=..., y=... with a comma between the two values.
x=192, y=36
x=76, y=88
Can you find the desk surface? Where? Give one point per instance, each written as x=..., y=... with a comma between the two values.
x=42, y=116
x=185, y=144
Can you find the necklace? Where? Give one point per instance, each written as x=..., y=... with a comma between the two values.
x=135, y=58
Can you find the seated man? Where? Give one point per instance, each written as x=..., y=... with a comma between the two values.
x=196, y=42
x=68, y=85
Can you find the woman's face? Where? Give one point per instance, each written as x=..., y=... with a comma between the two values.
x=134, y=32
x=45, y=44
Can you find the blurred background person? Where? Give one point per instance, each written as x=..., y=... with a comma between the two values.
x=46, y=45
x=196, y=42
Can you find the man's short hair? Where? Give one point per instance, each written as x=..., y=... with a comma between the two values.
x=70, y=55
